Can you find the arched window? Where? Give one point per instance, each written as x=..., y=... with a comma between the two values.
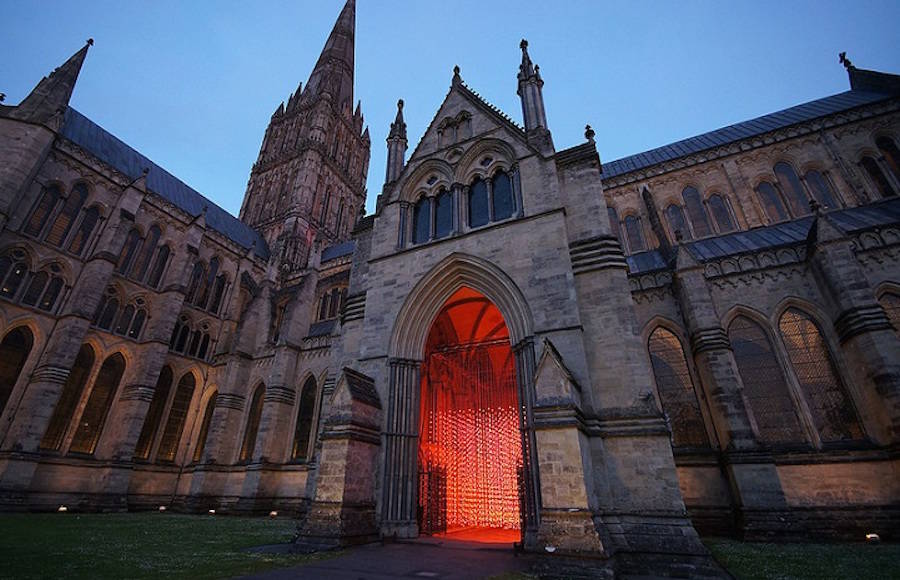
x=771, y=202
x=90, y=425
x=162, y=256
x=323, y=306
x=14, y=350
x=676, y=390
x=719, y=209
x=300, y=451
x=182, y=339
x=443, y=214
x=325, y=203
x=676, y=222
x=107, y=313
x=878, y=177
x=792, y=188
x=168, y=445
x=66, y=216
x=765, y=388
x=831, y=409
x=16, y=274
x=196, y=280
x=68, y=400
x=614, y=223
x=502, y=196
x=138, y=324
x=891, y=304
x=48, y=300
x=129, y=251
x=218, y=293
x=142, y=263
x=336, y=302
x=83, y=233
x=35, y=288
x=890, y=153
x=208, y=282
x=204, y=347
x=340, y=219
x=42, y=211
x=478, y=204
x=195, y=343
x=204, y=427
x=422, y=221
x=696, y=212
x=253, y=417
x=125, y=320
x=154, y=414
x=821, y=190
x=635, y=234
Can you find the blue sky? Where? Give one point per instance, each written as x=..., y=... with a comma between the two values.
x=192, y=84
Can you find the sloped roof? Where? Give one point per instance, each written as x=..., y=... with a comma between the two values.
x=337, y=251
x=111, y=150
x=849, y=221
x=739, y=131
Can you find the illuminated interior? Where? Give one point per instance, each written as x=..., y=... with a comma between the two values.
x=470, y=451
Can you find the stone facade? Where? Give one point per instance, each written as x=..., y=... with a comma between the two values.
x=696, y=345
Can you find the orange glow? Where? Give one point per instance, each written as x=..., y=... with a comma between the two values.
x=470, y=451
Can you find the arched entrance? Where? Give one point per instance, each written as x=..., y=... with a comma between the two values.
x=470, y=462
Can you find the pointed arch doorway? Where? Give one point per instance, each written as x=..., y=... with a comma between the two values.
x=471, y=481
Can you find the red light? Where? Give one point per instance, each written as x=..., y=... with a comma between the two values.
x=470, y=450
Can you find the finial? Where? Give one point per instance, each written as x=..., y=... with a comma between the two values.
x=456, y=71
x=400, y=104
x=2, y=97
x=842, y=57
x=589, y=133
x=524, y=44
x=815, y=206
x=90, y=42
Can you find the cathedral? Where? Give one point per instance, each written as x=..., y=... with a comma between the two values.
x=523, y=342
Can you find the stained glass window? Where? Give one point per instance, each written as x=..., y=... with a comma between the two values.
x=154, y=414
x=676, y=390
x=765, y=388
x=14, y=350
x=878, y=177
x=181, y=402
x=253, y=418
x=890, y=153
x=720, y=213
x=443, y=214
x=68, y=400
x=502, y=196
x=66, y=216
x=300, y=450
x=478, y=204
x=696, y=212
x=831, y=409
x=614, y=223
x=42, y=212
x=676, y=222
x=821, y=190
x=635, y=234
x=422, y=221
x=792, y=188
x=204, y=427
x=85, y=228
x=90, y=425
x=771, y=202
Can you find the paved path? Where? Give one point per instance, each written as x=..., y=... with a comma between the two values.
x=443, y=560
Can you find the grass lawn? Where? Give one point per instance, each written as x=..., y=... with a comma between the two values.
x=149, y=545
x=843, y=561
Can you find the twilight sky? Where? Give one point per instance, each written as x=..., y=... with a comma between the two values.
x=192, y=85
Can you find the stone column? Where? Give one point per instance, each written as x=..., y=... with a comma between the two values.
x=45, y=386
x=401, y=438
x=752, y=474
x=867, y=339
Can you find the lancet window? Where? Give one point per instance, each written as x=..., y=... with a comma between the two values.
x=63, y=221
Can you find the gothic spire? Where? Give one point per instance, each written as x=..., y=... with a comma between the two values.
x=333, y=73
x=52, y=94
x=397, y=144
x=530, y=91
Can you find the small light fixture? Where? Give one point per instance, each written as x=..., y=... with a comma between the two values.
x=62, y=509
x=273, y=514
x=873, y=538
x=212, y=512
x=162, y=508
x=550, y=549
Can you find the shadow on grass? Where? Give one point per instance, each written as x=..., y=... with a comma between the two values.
x=788, y=561
x=149, y=545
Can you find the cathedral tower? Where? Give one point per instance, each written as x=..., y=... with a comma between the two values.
x=308, y=183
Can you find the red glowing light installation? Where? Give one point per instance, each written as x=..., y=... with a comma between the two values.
x=470, y=449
